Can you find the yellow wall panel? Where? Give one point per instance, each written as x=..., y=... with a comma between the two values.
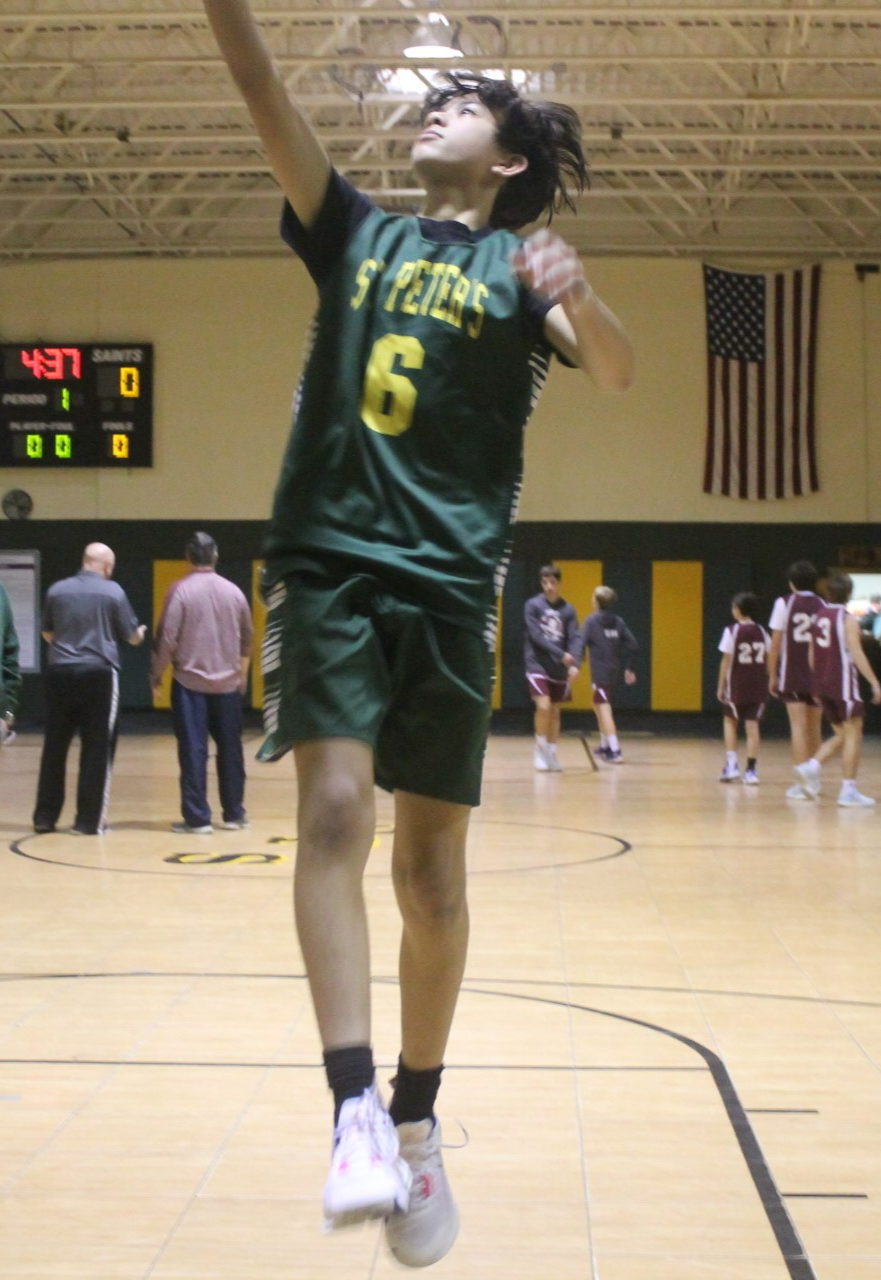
x=165, y=572
x=677, y=634
x=258, y=609
x=580, y=579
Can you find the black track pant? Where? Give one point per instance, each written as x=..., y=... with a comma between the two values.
x=83, y=700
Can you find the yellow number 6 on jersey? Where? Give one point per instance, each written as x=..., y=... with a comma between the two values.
x=389, y=398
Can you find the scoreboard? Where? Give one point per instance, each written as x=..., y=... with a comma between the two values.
x=77, y=405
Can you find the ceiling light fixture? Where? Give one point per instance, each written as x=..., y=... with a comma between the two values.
x=434, y=38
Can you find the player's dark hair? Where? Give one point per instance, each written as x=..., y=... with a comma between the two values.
x=606, y=597
x=802, y=575
x=550, y=571
x=839, y=588
x=547, y=134
x=748, y=604
x=201, y=549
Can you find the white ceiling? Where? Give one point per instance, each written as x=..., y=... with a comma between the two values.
x=713, y=129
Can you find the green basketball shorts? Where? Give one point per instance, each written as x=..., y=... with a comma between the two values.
x=349, y=660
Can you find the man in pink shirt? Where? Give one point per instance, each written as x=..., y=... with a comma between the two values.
x=205, y=632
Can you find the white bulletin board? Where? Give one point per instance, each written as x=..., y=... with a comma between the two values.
x=20, y=575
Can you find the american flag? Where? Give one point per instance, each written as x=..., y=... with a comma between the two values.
x=761, y=369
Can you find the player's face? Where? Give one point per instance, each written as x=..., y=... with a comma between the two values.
x=459, y=136
x=550, y=587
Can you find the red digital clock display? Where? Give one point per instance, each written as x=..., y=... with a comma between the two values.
x=53, y=363
x=84, y=405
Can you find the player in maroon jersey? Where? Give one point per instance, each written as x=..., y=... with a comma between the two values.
x=836, y=657
x=789, y=664
x=743, y=685
x=550, y=640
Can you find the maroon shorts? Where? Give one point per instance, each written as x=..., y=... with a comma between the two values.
x=839, y=710
x=743, y=711
x=601, y=693
x=542, y=686
x=788, y=695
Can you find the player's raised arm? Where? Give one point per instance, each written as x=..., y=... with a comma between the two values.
x=579, y=324
x=298, y=159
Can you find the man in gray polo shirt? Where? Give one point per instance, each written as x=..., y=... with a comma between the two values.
x=85, y=620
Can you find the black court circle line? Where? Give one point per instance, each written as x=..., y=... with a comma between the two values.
x=624, y=846
x=788, y=1242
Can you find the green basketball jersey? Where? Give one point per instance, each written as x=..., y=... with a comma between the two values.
x=405, y=458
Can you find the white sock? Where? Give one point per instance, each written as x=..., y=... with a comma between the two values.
x=541, y=742
x=732, y=759
x=849, y=784
x=604, y=741
x=613, y=742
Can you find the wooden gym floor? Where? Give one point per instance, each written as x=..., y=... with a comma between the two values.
x=667, y=1054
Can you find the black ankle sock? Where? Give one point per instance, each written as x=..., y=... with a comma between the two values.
x=415, y=1094
x=751, y=763
x=349, y=1072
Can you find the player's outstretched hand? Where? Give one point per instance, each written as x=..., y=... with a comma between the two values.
x=551, y=268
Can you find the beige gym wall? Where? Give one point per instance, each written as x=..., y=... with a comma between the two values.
x=229, y=338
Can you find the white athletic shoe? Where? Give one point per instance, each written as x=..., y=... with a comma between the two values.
x=554, y=765
x=235, y=824
x=808, y=775
x=424, y=1233
x=851, y=798
x=730, y=773
x=184, y=829
x=539, y=759
x=795, y=793
x=368, y=1178
x=751, y=778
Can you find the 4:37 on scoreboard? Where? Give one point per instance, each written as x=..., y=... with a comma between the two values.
x=76, y=405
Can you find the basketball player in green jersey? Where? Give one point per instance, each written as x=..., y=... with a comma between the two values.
x=385, y=555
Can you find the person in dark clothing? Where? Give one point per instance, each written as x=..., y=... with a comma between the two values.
x=85, y=620
x=610, y=644
x=550, y=640
x=10, y=673
x=384, y=560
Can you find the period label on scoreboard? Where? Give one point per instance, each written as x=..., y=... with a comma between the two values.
x=76, y=406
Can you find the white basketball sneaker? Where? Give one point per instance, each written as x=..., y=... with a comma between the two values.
x=730, y=773
x=851, y=798
x=808, y=775
x=540, y=760
x=425, y=1232
x=368, y=1178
